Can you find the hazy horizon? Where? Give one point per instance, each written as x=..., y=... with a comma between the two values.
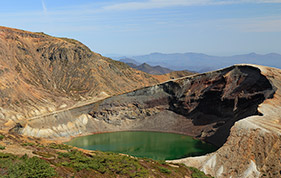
x=129, y=55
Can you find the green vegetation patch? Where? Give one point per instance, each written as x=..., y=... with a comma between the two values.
x=27, y=144
x=164, y=170
x=43, y=154
x=2, y=147
x=4, y=156
x=110, y=163
x=21, y=167
x=196, y=173
x=59, y=146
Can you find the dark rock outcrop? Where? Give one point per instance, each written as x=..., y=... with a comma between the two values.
x=210, y=103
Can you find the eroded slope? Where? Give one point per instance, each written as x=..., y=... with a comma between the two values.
x=40, y=74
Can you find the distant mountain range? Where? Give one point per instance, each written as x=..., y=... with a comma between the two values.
x=129, y=61
x=160, y=73
x=156, y=70
x=200, y=62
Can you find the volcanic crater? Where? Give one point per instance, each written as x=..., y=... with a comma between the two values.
x=56, y=88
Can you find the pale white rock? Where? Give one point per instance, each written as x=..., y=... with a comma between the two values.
x=251, y=172
x=85, y=119
x=210, y=164
x=45, y=133
x=220, y=171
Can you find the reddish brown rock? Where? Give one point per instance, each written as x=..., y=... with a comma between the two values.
x=41, y=74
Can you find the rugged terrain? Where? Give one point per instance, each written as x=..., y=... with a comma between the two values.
x=253, y=147
x=57, y=80
x=56, y=88
x=41, y=74
x=236, y=109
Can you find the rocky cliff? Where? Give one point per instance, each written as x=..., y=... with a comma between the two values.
x=41, y=74
x=205, y=105
x=253, y=147
x=236, y=108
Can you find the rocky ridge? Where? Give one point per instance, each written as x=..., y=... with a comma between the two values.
x=41, y=74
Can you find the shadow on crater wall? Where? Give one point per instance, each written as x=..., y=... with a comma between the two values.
x=211, y=102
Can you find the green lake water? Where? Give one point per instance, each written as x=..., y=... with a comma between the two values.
x=155, y=145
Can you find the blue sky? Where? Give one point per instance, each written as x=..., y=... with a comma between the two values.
x=133, y=27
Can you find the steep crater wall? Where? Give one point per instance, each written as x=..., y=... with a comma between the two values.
x=237, y=108
x=253, y=147
x=203, y=106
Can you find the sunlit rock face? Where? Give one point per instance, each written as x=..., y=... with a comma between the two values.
x=41, y=74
